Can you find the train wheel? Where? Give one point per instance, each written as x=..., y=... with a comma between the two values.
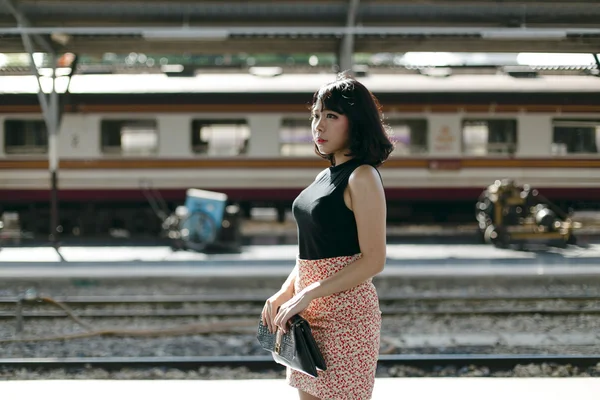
x=496, y=236
x=199, y=229
x=489, y=235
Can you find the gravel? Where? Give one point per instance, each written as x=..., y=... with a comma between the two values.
x=530, y=370
x=244, y=341
x=399, y=335
x=266, y=286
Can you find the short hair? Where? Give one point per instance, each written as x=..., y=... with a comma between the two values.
x=368, y=134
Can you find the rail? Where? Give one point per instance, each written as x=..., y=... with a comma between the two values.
x=264, y=362
x=220, y=305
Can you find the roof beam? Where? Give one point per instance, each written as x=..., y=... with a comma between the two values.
x=395, y=11
x=182, y=33
x=308, y=44
x=23, y=22
x=346, y=51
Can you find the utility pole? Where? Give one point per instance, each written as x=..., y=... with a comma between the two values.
x=346, y=51
x=50, y=111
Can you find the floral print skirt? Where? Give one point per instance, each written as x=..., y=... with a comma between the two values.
x=346, y=326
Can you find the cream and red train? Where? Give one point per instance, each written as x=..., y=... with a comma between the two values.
x=249, y=137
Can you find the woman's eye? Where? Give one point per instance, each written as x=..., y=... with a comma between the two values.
x=331, y=116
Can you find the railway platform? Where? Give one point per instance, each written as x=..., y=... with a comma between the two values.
x=402, y=260
x=277, y=389
x=269, y=254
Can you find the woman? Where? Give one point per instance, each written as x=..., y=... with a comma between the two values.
x=341, y=221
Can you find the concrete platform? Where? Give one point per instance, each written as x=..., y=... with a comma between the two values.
x=396, y=253
x=385, y=388
x=403, y=260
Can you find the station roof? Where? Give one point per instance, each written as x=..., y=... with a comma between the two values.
x=302, y=83
x=305, y=26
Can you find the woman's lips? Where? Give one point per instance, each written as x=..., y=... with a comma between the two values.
x=321, y=141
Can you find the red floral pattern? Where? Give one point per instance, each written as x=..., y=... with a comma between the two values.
x=346, y=326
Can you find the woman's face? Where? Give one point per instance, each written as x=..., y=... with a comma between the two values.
x=330, y=130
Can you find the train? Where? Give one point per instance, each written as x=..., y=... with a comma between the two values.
x=249, y=137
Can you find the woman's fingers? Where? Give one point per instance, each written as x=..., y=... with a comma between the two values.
x=280, y=320
x=272, y=313
x=273, y=324
x=263, y=317
x=273, y=317
x=266, y=317
x=269, y=319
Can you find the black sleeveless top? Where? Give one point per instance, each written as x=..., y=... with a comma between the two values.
x=326, y=227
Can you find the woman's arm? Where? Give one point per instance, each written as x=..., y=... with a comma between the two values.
x=369, y=207
x=274, y=302
x=288, y=285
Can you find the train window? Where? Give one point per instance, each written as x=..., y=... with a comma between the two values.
x=130, y=137
x=295, y=137
x=494, y=136
x=228, y=137
x=25, y=137
x=409, y=136
x=575, y=137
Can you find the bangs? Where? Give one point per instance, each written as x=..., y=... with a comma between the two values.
x=337, y=97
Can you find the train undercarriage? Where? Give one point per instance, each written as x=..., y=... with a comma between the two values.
x=137, y=220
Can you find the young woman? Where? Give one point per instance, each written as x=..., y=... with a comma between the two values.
x=341, y=220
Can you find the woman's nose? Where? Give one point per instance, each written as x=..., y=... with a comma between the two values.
x=319, y=127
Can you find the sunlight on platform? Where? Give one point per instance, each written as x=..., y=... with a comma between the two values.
x=265, y=389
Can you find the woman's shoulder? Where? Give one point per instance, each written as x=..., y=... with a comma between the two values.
x=365, y=175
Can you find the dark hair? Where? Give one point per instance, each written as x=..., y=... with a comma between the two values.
x=368, y=134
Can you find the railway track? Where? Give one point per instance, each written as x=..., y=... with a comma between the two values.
x=226, y=306
x=21, y=315
x=494, y=362
x=222, y=313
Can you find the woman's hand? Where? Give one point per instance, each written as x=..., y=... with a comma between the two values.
x=293, y=306
x=271, y=305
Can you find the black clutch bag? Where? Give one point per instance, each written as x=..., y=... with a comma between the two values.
x=296, y=348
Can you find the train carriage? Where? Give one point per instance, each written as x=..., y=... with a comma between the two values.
x=249, y=137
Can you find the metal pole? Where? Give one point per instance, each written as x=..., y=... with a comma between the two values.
x=41, y=96
x=346, y=52
x=53, y=157
x=50, y=109
x=50, y=112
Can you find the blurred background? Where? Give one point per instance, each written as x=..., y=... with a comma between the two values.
x=195, y=94
x=146, y=137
